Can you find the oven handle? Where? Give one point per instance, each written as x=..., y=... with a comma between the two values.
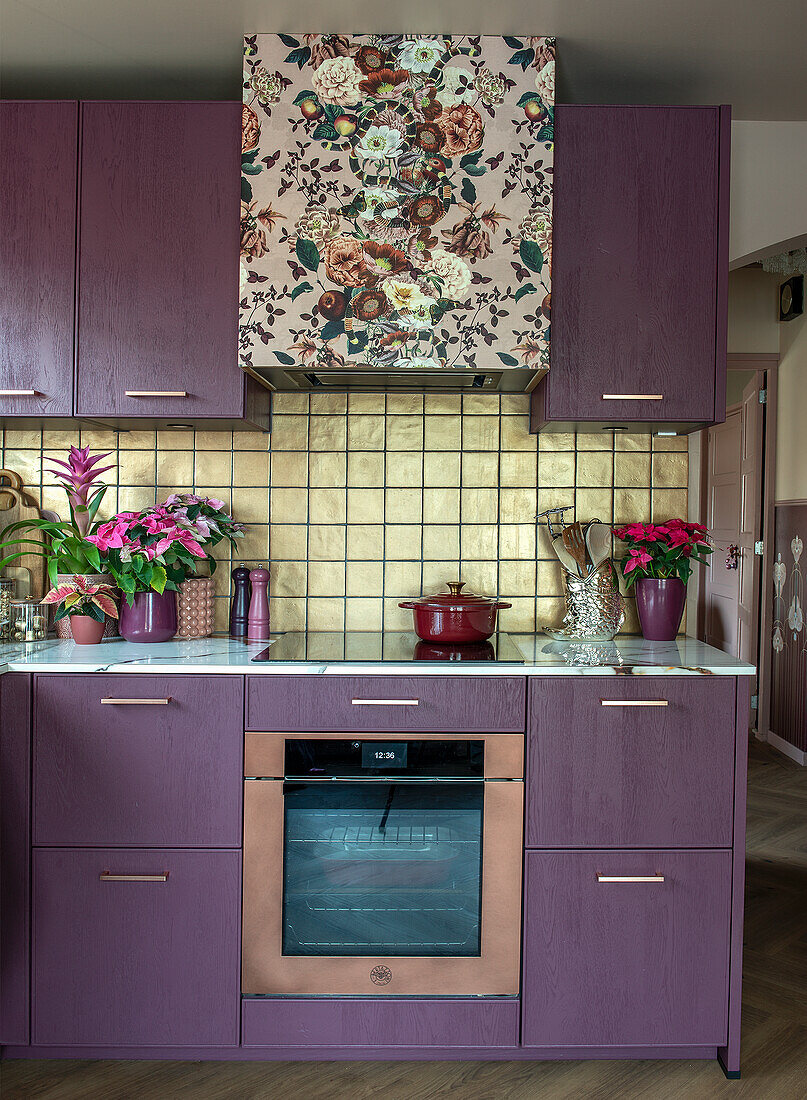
x=296, y=784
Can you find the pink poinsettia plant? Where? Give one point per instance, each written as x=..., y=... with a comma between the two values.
x=82, y=597
x=662, y=550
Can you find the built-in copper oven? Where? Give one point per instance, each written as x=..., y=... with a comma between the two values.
x=382, y=864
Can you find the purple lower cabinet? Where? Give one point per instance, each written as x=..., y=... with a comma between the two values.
x=124, y=959
x=393, y=1022
x=626, y=963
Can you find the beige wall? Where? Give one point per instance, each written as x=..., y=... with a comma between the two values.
x=791, y=449
x=753, y=311
x=359, y=502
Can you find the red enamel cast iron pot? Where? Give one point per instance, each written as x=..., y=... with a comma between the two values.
x=454, y=618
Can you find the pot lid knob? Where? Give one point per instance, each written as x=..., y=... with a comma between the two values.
x=455, y=587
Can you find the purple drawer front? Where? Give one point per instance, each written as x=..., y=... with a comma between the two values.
x=407, y=703
x=138, y=773
x=605, y=769
x=342, y=1022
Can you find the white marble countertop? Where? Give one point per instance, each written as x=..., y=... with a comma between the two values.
x=627, y=655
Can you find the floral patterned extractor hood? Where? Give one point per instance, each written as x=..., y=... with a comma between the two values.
x=396, y=204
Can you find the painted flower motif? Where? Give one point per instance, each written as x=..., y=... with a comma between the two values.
x=454, y=274
x=380, y=202
x=778, y=640
x=468, y=238
x=385, y=83
x=420, y=317
x=779, y=576
x=537, y=226
x=545, y=82
x=796, y=547
x=344, y=261
x=544, y=50
x=795, y=615
x=463, y=128
x=253, y=237
x=337, y=81
x=426, y=210
x=370, y=59
x=421, y=55
x=318, y=225
x=368, y=305
x=418, y=362
x=430, y=137
x=426, y=102
x=250, y=129
x=419, y=246
x=380, y=143
x=492, y=87
x=268, y=87
x=384, y=259
x=405, y=297
x=327, y=46
x=456, y=86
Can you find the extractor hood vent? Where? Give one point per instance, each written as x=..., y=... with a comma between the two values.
x=374, y=380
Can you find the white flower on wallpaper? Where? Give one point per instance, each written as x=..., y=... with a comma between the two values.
x=796, y=547
x=779, y=577
x=778, y=640
x=794, y=617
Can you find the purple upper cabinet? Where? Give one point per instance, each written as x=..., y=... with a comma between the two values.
x=639, y=269
x=159, y=266
x=38, y=158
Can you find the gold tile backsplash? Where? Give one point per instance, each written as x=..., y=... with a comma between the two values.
x=359, y=501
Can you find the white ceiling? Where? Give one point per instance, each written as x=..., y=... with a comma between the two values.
x=749, y=54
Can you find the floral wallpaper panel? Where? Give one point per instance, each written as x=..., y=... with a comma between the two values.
x=396, y=200
x=789, y=637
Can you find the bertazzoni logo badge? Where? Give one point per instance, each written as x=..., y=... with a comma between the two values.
x=381, y=975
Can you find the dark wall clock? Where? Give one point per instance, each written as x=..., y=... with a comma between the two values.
x=791, y=298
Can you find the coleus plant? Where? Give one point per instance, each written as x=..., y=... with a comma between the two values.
x=68, y=547
x=82, y=597
x=662, y=550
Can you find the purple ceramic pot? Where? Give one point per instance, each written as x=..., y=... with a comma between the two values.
x=660, y=604
x=152, y=618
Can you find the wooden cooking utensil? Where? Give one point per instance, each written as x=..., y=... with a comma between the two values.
x=575, y=543
x=14, y=506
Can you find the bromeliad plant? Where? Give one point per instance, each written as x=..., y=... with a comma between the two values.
x=81, y=597
x=68, y=547
x=662, y=550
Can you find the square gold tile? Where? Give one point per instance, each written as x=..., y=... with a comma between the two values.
x=324, y=404
x=556, y=468
x=365, y=542
x=364, y=614
x=366, y=403
x=16, y=439
x=480, y=469
x=326, y=543
x=210, y=441
x=632, y=469
x=515, y=404
x=436, y=574
x=668, y=504
x=631, y=624
x=479, y=541
x=517, y=540
x=594, y=504
x=479, y=505
x=249, y=468
x=549, y=611
x=481, y=404
x=221, y=616
x=402, y=578
x=549, y=578
x=595, y=468
x=631, y=441
x=670, y=443
x=405, y=403
x=175, y=467
x=480, y=433
x=326, y=578
x=517, y=505
x=134, y=498
x=518, y=469
x=250, y=441
x=441, y=541
x=327, y=505
x=53, y=438
x=516, y=435
x=554, y=498
x=33, y=471
x=442, y=433
x=254, y=545
x=365, y=469
x=138, y=468
x=404, y=433
x=517, y=578
x=251, y=505
x=365, y=433
x=327, y=469
x=404, y=540
x=556, y=441
x=544, y=551
x=481, y=577
x=365, y=505
x=289, y=403
x=288, y=506
x=631, y=505
x=595, y=441
x=288, y=469
x=405, y=469
x=288, y=578
x=404, y=505
x=327, y=433
x=287, y=614
x=670, y=470
x=441, y=505
x=288, y=540
x=289, y=433
x=108, y=440
x=326, y=613
x=437, y=403
x=396, y=618
x=520, y=618
x=364, y=578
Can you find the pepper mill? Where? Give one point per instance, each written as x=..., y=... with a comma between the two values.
x=239, y=605
x=258, y=621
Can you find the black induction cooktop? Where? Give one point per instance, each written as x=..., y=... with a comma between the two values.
x=325, y=647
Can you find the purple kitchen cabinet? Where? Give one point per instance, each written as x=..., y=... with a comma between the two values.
x=136, y=947
x=113, y=765
x=15, y=851
x=159, y=265
x=382, y=703
x=38, y=164
x=630, y=762
x=639, y=268
x=628, y=963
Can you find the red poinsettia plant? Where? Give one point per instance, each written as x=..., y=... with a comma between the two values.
x=662, y=550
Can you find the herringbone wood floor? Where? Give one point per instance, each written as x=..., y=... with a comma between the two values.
x=774, y=1017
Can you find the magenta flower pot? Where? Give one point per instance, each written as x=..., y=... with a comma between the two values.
x=660, y=604
x=152, y=617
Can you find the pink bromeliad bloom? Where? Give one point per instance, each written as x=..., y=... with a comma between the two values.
x=78, y=478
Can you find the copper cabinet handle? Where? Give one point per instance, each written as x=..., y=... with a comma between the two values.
x=19, y=393
x=136, y=702
x=633, y=397
x=630, y=878
x=108, y=876
x=385, y=702
x=156, y=393
x=634, y=703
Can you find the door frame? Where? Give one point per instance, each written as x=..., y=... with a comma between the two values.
x=765, y=364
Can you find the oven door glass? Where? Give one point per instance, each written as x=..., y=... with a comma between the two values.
x=382, y=868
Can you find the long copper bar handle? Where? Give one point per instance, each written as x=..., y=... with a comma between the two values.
x=108, y=876
x=385, y=702
x=19, y=393
x=634, y=703
x=630, y=878
x=633, y=397
x=137, y=702
x=156, y=393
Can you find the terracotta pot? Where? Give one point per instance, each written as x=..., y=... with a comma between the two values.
x=152, y=617
x=63, y=628
x=195, y=608
x=455, y=618
x=85, y=629
x=660, y=604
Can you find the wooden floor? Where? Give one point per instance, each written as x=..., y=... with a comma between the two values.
x=774, y=1018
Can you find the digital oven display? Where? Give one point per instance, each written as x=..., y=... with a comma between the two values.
x=384, y=754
